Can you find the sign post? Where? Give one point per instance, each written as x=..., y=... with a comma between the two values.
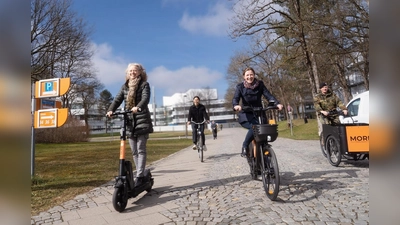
x=49, y=113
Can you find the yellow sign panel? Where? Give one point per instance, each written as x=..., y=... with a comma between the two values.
x=50, y=118
x=357, y=138
x=52, y=87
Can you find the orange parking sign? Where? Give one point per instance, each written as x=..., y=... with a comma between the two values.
x=52, y=87
x=50, y=118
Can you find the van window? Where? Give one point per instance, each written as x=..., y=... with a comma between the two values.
x=352, y=108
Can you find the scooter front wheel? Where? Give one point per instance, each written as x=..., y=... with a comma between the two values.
x=119, y=199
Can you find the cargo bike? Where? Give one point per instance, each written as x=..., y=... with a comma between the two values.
x=345, y=141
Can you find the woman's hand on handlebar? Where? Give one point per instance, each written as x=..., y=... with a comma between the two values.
x=237, y=107
x=136, y=109
x=109, y=113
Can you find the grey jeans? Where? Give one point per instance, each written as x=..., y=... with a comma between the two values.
x=138, y=146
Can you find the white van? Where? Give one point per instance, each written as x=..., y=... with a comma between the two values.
x=358, y=109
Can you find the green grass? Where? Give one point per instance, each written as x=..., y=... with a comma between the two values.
x=165, y=134
x=63, y=171
x=301, y=131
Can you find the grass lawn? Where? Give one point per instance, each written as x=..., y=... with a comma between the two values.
x=63, y=171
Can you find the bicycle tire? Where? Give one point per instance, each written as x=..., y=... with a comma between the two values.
x=200, y=146
x=322, y=144
x=251, y=160
x=270, y=173
x=333, y=151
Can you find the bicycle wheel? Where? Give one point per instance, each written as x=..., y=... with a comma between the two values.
x=270, y=173
x=251, y=160
x=322, y=143
x=333, y=151
x=200, y=147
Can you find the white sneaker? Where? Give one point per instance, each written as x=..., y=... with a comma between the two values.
x=204, y=148
x=194, y=147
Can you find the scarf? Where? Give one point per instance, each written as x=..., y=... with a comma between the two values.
x=133, y=86
x=252, y=85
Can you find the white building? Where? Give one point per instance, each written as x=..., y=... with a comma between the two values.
x=173, y=114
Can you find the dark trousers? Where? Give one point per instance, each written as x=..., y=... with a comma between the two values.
x=194, y=133
x=249, y=136
x=214, y=131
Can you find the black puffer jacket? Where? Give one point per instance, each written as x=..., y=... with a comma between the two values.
x=198, y=114
x=140, y=122
x=251, y=97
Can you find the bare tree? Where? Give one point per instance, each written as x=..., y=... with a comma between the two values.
x=88, y=93
x=59, y=39
x=105, y=100
x=305, y=27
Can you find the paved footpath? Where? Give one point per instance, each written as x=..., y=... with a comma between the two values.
x=221, y=191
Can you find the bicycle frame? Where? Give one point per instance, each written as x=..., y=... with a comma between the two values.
x=199, y=141
x=262, y=159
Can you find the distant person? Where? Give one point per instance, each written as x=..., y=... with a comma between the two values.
x=220, y=126
x=214, y=128
x=305, y=119
x=136, y=94
x=250, y=92
x=290, y=115
x=197, y=113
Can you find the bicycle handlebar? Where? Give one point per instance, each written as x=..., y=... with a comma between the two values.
x=258, y=109
x=121, y=113
x=334, y=112
x=198, y=123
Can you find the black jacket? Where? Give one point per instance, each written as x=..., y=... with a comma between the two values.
x=140, y=122
x=251, y=97
x=197, y=114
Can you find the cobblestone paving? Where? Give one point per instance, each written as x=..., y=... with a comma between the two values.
x=311, y=192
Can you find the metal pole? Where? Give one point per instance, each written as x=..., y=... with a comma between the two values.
x=154, y=107
x=33, y=107
x=184, y=113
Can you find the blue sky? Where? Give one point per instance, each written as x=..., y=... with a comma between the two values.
x=183, y=44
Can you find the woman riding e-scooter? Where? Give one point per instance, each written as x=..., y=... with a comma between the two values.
x=136, y=94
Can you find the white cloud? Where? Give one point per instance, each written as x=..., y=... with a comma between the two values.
x=174, y=81
x=110, y=69
x=215, y=23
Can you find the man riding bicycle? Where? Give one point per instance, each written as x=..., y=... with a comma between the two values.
x=326, y=102
x=197, y=114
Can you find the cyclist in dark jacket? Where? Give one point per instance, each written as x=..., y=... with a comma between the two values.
x=250, y=91
x=198, y=113
x=136, y=94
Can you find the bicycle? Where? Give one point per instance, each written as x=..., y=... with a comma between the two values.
x=261, y=157
x=124, y=187
x=331, y=113
x=344, y=141
x=200, y=141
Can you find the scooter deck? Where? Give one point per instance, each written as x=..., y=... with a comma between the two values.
x=139, y=189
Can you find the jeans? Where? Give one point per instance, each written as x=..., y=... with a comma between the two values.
x=194, y=133
x=249, y=136
x=138, y=146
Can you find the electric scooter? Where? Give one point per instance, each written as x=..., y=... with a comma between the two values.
x=125, y=185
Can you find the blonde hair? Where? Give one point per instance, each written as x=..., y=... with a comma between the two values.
x=139, y=67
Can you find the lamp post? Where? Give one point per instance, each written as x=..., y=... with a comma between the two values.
x=184, y=114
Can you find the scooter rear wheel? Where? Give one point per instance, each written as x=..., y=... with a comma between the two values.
x=119, y=199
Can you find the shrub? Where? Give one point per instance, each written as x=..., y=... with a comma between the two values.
x=72, y=131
